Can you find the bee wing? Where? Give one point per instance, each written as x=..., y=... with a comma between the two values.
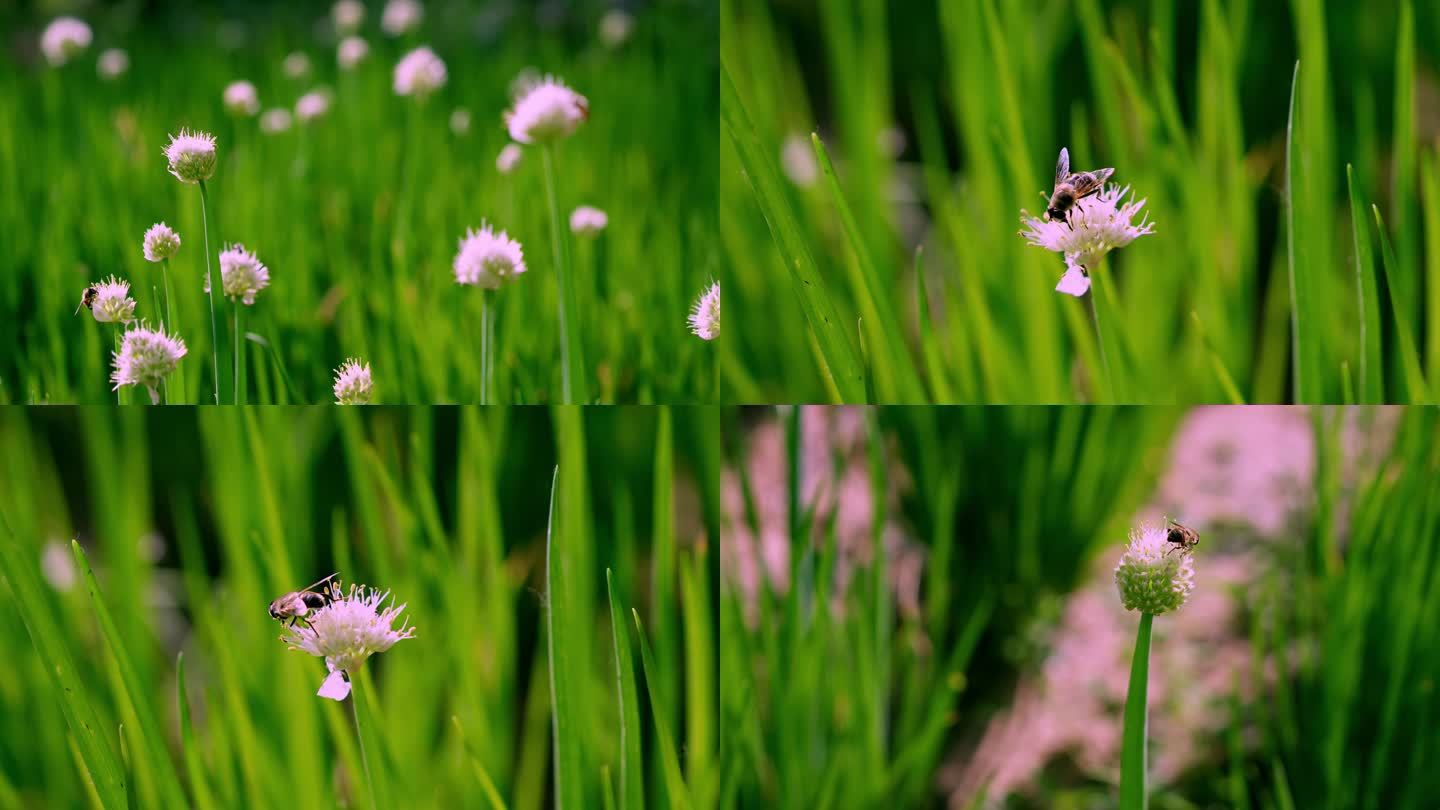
x=1087, y=183
x=321, y=582
x=1101, y=175
x=1062, y=167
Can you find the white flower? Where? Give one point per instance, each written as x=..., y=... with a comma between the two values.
x=546, y=111
x=58, y=565
x=275, y=121
x=191, y=156
x=488, y=259
x=347, y=631
x=160, y=242
x=401, y=17
x=113, y=303
x=508, y=158
x=145, y=357
x=460, y=121
x=64, y=37
x=242, y=275
x=241, y=99
x=352, y=51
x=347, y=15
x=352, y=383
x=588, y=221
x=419, y=73
x=1154, y=575
x=705, y=314
x=615, y=27
x=112, y=63
x=798, y=160
x=312, y=105
x=1094, y=227
x=297, y=65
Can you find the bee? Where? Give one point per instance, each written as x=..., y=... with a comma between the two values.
x=1184, y=537
x=1070, y=188
x=87, y=298
x=296, y=605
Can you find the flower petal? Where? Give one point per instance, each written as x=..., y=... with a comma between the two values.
x=1075, y=281
x=336, y=686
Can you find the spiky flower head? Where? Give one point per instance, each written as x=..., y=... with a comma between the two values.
x=347, y=15
x=352, y=383
x=242, y=274
x=191, y=156
x=508, y=158
x=1154, y=575
x=275, y=121
x=546, y=111
x=419, y=73
x=145, y=357
x=112, y=64
x=488, y=258
x=241, y=99
x=312, y=105
x=400, y=17
x=160, y=242
x=351, y=52
x=588, y=221
x=64, y=37
x=113, y=303
x=1095, y=226
x=350, y=629
x=705, y=314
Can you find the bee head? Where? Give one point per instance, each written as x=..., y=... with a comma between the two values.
x=1055, y=214
x=274, y=612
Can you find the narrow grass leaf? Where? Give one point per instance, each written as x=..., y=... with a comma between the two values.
x=564, y=669
x=1133, y=759
x=1367, y=295
x=1305, y=318
x=669, y=759
x=632, y=783
x=1409, y=358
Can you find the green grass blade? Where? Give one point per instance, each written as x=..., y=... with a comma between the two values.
x=831, y=334
x=700, y=691
x=1305, y=317
x=1402, y=151
x=98, y=756
x=194, y=765
x=1430, y=181
x=487, y=785
x=632, y=782
x=669, y=759
x=1232, y=392
x=1409, y=358
x=153, y=758
x=1372, y=380
x=1133, y=795
x=565, y=672
x=935, y=371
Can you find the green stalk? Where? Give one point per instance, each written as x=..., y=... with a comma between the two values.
x=487, y=347
x=119, y=398
x=1106, y=385
x=170, y=328
x=572, y=362
x=210, y=291
x=363, y=729
x=239, y=391
x=1132, y=752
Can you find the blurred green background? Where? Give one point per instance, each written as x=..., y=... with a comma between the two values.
x=944, y=120
x=194, y=520
x=918, y=606
x=358, y=215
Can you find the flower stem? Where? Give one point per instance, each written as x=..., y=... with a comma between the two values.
x=487, y=348
x=360, y=736
x=362, y=708
x=170, y=329
x=1132, y=753
x=1105, y=382
x=210, y=291
x=239, y=364
x=572, y=373
x=119, y=390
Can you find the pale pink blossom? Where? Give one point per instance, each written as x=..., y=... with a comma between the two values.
x=488, y=258
x=546, y=111
x=419, y=73
x=64, y=37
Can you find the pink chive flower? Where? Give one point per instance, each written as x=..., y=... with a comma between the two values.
x=191, y=156
x=145, y=357
x=705, y=314
x=311, y=106
x=588, y=221
x=351, y=52
x=1154, y=575
x=488, y=259
x=241, y=99
x=508, y=158
x=546, y=111
x=160, y=242
x=400, y=17
x=64, y=38
x=347, y=15
x=419, y=73
x=275, y=121
x=297, y=65
x=112, y=64
x=352, y=383
x=347, y=631
x=1096, y=226
x=113, y=303
x=242, y=275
